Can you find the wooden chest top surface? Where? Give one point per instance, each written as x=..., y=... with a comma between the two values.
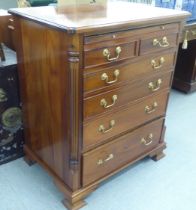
x=86, y=18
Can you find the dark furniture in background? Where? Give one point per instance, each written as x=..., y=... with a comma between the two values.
x=11, y=132
x=36, y=3
x=6, y=29
x=185, y=71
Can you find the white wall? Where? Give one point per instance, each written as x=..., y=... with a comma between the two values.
x=6, y=4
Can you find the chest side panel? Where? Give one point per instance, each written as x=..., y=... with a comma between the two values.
x=49, y=79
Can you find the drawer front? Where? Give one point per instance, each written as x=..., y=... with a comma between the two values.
x=109, y=157
x=100, y=130
x=114, y=76
x=113, y=37
x=159, y=41
x=118, y=97
x=110, y=54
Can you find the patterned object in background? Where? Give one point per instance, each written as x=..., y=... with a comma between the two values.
x=165, y=3
x=11, y=131
x=150, y=2
x=187, y=5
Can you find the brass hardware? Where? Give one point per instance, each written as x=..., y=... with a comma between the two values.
x=3, y=97
x=154, y=87
x=11, y=27
x=12, y=117
x=101, y=161
x=163, y=43
x=103, y=130
x=11, y=20
x=107, y=53
x=104, y=103
x=185, y=42
x=105, y=77
x=148, y=140
x=149, y=110
x=160, y=63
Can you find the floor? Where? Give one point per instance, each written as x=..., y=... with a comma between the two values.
x=169, y=184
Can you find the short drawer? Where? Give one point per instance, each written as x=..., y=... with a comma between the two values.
x=110, y=54
x=116, y=46
x=158, y=41
x=110, y=100
x=111, y=156
x=100, y=129
x=114, y=76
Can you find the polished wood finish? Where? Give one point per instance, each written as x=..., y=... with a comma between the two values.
x=93, y=105
x=146, y=42
x=185, y=72
x=106, y=158
x=88, y=18
x=95, y=57
x=93, y=82
x=125, y=118
x=119, y=36
x=61, y=59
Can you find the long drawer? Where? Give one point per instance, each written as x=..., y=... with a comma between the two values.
x=109, y=157
x=101, y=129
x=111, y=77
x=110, y=100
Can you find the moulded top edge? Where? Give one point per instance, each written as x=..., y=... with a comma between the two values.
x=79, y=18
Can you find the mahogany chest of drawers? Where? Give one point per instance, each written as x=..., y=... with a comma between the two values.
x=95, y=83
